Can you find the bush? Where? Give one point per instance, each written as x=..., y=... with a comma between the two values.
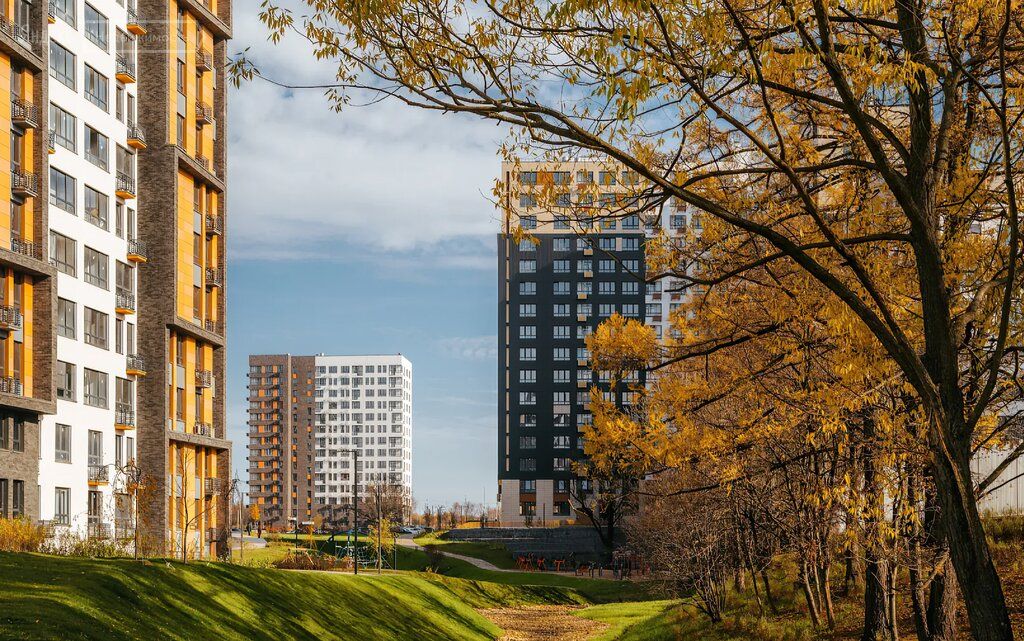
x=303, y=560
x=67, y=543
x=20, y=535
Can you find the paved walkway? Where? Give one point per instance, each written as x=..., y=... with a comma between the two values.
x=480, y=563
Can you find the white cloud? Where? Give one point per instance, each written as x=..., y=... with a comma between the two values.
x=476, y=348
x=386, y=178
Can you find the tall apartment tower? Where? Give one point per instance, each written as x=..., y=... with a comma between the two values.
x=321, y=425
x=183, y=443
x=574, y=271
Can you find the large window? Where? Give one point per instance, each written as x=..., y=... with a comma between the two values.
x=97, y=87
x=96, y=27
x=62, y=190
x=96, y=265
x=96, y=148
x=95, y=388
x=96, y=328
x=65, y=10
x=66, y=326
x=61, y=505
x=62, y=64
x=97, y=207
x=63, y=253
x=527, y=288
x=66, y=381
x=62, y=443
x=65, y=128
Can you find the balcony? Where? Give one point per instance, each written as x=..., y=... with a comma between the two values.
x=10, y=318
x=588, y=274
x=204, y=60
x=135, y=365
x=99, y=530
x=137, y=251
x=204, y=162
x=124, y=302
x=588, y=252
x=125, y=187
x=204, y=113
x=24, y=113
x=99, y=475
x=136, y=136
x=26, y=247
x=124, y=417
x=24, y=183
x=10, y=385
x=214, y=327
x=51, y=12
x=581, y=318
x=204, y=378
x=51, y=142
x=203, y=429
x=16, y=31
x=211, y=486
x=214, y=277
x=134, y=24
x=582, y=384
x=125, y=69
x=214, y=225
x=581, y=296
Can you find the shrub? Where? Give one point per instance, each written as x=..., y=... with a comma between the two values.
x=304, y=560
x=67, y=543
x=20, y=535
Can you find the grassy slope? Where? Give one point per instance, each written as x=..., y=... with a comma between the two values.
x=57, y=598
x=635, y=621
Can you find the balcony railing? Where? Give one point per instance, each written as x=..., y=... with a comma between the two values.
x=214, y=225
x=99, y=474
x=10, y=318
x=214, y=277
x=13, y=30
x=204, y=60
x=24, y=113
x=125, y=187
x=99, y=530
x=124, y=302
x=26, y=247
x=125, y=69
x=135, y=365
x=204, y=113
x=133, y=23
x=51, y=142
x=137, y=251
x=204, y=378
x=10, y=385
x=204, y=161
x=203, y=429
x=212, y=486
x=214, y=327
x=51, y=12
x=24, y=183
x=124, y=416
x=136, y=136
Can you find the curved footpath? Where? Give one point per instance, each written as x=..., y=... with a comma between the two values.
x=480, y=563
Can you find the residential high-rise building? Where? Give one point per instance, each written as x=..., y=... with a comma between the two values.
x=582, y=262
x=182, y=108
x=321, y=425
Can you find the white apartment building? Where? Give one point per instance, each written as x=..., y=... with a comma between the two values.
x=362, y=403
x=85, y=446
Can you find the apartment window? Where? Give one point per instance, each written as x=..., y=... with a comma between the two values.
x=95, y=328
x=118, y=449
x=527, y=288
x=65, y=128
x=527, y=309
x=527, y=200
x=65, y=381
x=527, y=398
x=561, y=376
x=528, y=222
x=528, y=178
x=630, y=287
x=560, y=331
x=561, y=244
x=605, y=310
x=119, y=335
x=677, y=221
x=527, y=331
x=527, y=266
x=3, y=498
x=62, y=190
x=527, y=442
x=527, y=486
x=62, y=253
x=631, y=222
x=119, y=219
x=560, y=398
x=560, y=310
x=527, y=353
x=560, y=266
x=96, y=149
x=606, y=287
x=606, y=266
x=97, y=207
x=560, y=288
x=62, y=443
x=560, y=353
x=96, y=27
x=527, y=465
x=526, y=245
x=560, y=464
x=95, y=388
x=632, y=265
x=62, y=64
x=97, y=88
x=562, y=443
x=630, y=244
x=66, y=318
x=562, y=200
x=17, y=435
x=65, y=10
x=585, y=287
x=630, y=310
x=96, y=265
x=17, y=499
x=527, y=420
x=527, y=376
x=181, y=130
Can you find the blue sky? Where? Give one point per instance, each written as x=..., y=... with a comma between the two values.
x=368, y=231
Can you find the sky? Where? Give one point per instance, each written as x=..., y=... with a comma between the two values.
x=364, y=232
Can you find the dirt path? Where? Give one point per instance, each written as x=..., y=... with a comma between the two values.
x=543, y=623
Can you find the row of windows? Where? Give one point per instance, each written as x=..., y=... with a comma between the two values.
x=124, y=447
x=564, y=266
x=96, y=204
x=564, y=288
x=96, y=325
x=12, y=498
x=558, y=464
x=561, y=486
x=95, y=385
x=64, y=256
x=564, y=332
x=12, y=434
x=582, y=398
x=583, y=177
x=629, y=222
x=560, y=419
x=557, y=353
x=562, y=310
x=561, y=442
x=64, y=68
x=96, y=145
x=565, y=376
x=604, y=243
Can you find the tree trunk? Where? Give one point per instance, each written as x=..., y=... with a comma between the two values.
x=942, y=604
x=768, y=591
x=976, y=575
x=812, y=607
x=876, y=604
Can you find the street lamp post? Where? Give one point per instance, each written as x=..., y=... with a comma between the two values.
x=355, y=507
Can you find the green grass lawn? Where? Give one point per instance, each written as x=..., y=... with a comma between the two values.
x=496, y=555
x=637, y=621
